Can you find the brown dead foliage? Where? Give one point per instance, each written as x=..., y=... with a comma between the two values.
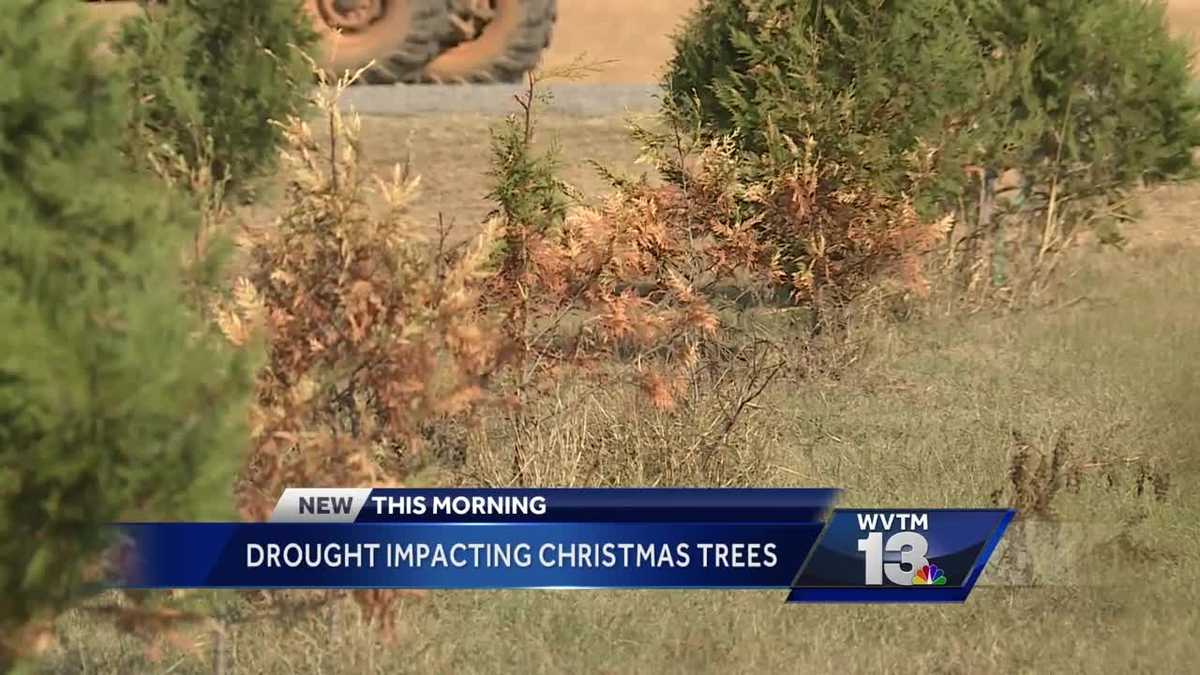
x=369, y=330
x=375, y=333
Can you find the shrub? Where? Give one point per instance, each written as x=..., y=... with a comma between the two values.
x=614, y=284
x=212, y=77
x=115, y=403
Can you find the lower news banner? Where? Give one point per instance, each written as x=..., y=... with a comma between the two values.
x=577, y=538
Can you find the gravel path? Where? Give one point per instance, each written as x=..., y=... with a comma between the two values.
x=583, y=100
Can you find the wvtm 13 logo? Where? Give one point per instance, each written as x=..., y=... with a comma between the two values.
x=900, y=557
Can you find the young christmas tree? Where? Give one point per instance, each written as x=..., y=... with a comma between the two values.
x=1107, y=85
x=1087, y=95
x=885, y=90
x=1073, y=102
x=116, y=402
x=215, y=78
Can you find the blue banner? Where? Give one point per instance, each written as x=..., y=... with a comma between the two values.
x=910, y=555
x=577, y=538
x=516, y=555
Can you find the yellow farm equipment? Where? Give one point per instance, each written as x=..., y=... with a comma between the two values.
x=449, y=41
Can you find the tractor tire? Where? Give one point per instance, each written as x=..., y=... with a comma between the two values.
x=508, y=43
x=397, y=37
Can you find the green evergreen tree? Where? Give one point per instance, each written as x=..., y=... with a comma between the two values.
x=116, y=400
x=213, y=76
x=874, y=83
x=1093, y=95
x=1108, y=87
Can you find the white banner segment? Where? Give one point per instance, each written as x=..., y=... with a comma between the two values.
x=320, y=505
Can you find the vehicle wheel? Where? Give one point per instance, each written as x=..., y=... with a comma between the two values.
x=400, y=36
x=494, y=40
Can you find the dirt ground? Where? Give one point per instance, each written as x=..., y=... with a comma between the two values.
x=1185, y=15
x=634, y=36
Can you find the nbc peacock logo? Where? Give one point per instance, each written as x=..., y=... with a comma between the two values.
x=929, y=575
